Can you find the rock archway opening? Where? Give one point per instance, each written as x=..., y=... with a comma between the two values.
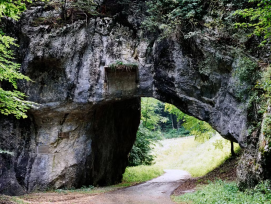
x=160, y=121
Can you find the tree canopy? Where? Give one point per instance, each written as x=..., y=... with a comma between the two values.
x=200, y=129
x=259, y=19
x=11, y=101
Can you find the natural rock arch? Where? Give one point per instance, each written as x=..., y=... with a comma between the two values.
x=82, y=133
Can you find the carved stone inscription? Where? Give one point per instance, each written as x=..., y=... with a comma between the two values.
x=43, y=149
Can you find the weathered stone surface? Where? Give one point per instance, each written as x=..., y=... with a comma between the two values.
x=87, y=129
x=96, y=151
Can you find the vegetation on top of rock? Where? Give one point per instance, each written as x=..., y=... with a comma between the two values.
x=219, y=19
x=123, y=66
x=247, y=74
x=259, y=19
x=185, y=17
x=62, y=12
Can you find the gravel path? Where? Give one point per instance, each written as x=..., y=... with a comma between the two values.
x=156, y=191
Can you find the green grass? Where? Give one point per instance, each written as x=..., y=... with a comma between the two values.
x=182, y=153
x=221, y=192
x=196, y=158
x=9, y=200
x=141, y=173
x=18, y=201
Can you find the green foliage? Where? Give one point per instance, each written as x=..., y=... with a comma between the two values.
x=259, y=103
x=149, y=130
x=267, y=126
x=247, y=76
x=168, y=15
x=189, y=155
x=228, y=193
x=12, y=8
x=141, y=150
x=122, y=65
x=141, y=173
x=220, y=144
x=176, y=133
x=11, y=102
x=200, y=129
x=246, y=70
x=259, y=19
x=185, y=154
x=173, y=110
x=149, y=113
x=147, y=133
x=265, y=84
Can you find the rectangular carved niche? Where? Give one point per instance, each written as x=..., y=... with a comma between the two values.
x=43, y=149
x=63, y=135
x=121, y=81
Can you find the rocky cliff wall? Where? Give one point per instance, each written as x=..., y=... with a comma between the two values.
x=82, y=132
x=55, y=149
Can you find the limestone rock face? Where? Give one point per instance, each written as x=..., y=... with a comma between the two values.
x=86, y=146
x=87, y=120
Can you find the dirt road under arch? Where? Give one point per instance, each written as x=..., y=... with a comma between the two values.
x=156, y=191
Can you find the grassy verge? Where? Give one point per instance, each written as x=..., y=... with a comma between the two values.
x=196, y=158
x=181, y=153
x=141, y=173
x=11, y=200
x=226, y=193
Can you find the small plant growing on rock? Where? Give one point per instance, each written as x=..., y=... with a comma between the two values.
x=119, y=65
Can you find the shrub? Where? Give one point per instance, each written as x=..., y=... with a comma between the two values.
x=141, y=150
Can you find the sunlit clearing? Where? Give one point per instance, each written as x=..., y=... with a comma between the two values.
x=187, y=154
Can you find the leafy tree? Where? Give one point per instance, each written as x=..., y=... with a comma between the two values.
x=12, y=8
x=141, y=151
x=11, y=102
x=200, y=129
x=150, y=113
x=259, y=19
x=147, y=133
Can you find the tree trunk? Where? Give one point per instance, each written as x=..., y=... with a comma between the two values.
x=146, y=110
x=172, y=122
x=64, y=12
x=232, y=149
